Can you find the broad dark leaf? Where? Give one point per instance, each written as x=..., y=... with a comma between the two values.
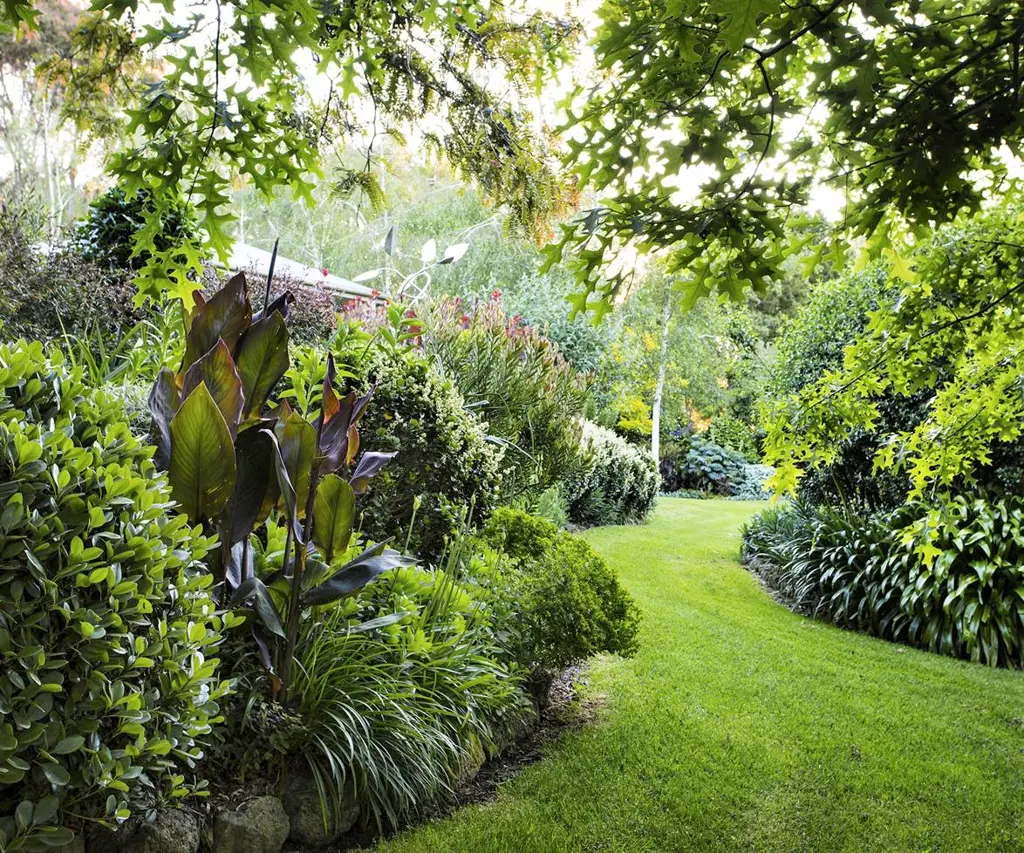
x=369, y=466
x=226, y=316
x=284, y=484
x=281, y=305
x=255, y=478
x=202, y=466
x=334, y=436
x=254, y=593
x=334, y=511
x=164, y=400
x=353, y=576
x=216, y=369
x=262, y=361
x=297, y=439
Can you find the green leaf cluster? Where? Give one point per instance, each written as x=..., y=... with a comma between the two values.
x=565, y=603
x=231, y=101
x=951, y=335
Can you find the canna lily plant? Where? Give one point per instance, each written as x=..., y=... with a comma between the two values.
x=233, y=459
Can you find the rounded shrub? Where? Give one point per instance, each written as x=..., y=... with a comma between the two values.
x=107, y=628
x=106, y=234
x=620, y=484
x=564, y=603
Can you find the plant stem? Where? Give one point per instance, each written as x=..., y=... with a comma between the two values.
x=295, y=599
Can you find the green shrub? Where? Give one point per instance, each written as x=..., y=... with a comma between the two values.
x=107, y=630
x=445, y=466
x=620, y=484
x=814, y=340
x=519, y=384
x=946, y=577
x=44, y=296
x=552, y=506
x=106, y=235
x=564, y=603
x=732, y=433
x=812, y=343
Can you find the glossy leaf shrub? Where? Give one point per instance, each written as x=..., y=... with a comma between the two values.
x=563, y=603
x=946, y=577
x=619, y=484
x=108, y=634
x=108, y=233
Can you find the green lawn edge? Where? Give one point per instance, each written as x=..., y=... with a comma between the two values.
x=741, y=726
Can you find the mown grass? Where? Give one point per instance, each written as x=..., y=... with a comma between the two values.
x=743, y=727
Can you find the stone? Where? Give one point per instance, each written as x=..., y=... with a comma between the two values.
x=170, y=831
x=302, y=804
x=261, y=826
x=472, y=760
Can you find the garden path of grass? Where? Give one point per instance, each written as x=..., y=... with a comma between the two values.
x=743, y=727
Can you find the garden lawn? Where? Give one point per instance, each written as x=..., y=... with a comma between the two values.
x=741, y=726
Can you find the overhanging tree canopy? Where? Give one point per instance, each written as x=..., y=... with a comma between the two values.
x=902, y=106
x=234, y=99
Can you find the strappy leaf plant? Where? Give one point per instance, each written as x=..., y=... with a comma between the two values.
x=236, y=460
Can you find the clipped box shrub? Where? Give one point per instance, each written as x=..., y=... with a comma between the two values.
x=445, y=464
x=620, y=484
x=107, y=629
x=563, y=602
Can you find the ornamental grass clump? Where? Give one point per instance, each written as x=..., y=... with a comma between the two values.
x=519, y=384
x=108, y=634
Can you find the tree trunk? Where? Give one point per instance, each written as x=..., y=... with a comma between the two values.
x=659, y=389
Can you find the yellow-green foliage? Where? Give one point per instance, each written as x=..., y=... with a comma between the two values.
x=953, y=333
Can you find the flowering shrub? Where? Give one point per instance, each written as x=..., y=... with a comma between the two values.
x=619, y=485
